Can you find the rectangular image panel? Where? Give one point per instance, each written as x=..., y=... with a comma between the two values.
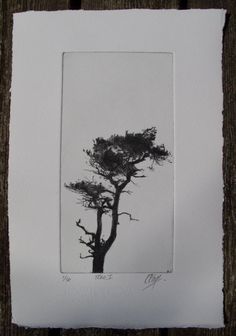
x=117, y=163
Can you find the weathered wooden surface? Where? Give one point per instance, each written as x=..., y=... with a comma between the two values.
x=7, y=7
x=125, y=4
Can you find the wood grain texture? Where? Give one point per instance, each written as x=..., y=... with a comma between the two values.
x=126, y=4
x=110, y=332
x=7, y=7
x=228, y=331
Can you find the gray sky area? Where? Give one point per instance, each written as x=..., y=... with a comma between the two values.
x=105, y=94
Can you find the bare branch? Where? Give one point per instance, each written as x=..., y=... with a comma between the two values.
x=129, y=192
x=85, y=257
x=139, y=176
x=133, y=182
x=109, y=191
x=89, y=244
x=84, y=229
x=124, y=184
x=128, y=214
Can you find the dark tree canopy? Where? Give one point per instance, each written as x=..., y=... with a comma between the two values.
x=94, y=195
x=116, y=161
x=118, y=155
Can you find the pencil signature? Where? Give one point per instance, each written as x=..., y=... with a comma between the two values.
x=151, y=280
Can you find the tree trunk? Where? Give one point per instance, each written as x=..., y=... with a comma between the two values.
x=99, y=255
x=114, y=223
x=98, y=262
x=99, y=229
x=101, y=250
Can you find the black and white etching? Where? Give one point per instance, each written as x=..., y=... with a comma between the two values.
x=117, y=175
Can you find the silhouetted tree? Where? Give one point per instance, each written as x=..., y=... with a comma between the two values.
x=116, y=161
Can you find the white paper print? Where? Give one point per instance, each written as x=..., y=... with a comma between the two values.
x=157, y=76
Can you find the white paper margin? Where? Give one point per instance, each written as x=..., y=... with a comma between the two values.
x=192, y=294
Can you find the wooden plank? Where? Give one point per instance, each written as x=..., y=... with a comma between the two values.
x=127, y=4
x=7, y=8
x=229, y=331
x=113, y=332
x=204, y=4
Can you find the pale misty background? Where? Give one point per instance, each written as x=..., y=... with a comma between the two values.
x=105, y=94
